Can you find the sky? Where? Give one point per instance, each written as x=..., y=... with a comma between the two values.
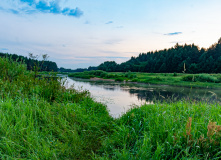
x=83, y=33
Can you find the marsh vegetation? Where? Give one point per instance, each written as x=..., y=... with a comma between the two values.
x=175, y=79
x=41, y=119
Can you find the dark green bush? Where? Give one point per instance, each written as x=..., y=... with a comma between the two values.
x=135, y=80
x=110, y=76
x=200, y=78
x=104, y=74
x=119, y=79
x=99, y=72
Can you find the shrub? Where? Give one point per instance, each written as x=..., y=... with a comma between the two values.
x=104, y=74
x=11, y=69
x=110, y=76
x=200, y=78
x=135, y=80
x=157, y=79
x=119, y=79
x=99, y=72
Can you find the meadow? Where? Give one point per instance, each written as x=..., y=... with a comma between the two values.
x=176, y=79
x=41, y=119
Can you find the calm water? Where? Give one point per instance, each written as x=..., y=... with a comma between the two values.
x=120, y=96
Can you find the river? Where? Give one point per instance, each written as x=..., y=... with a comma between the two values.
x=120, y=97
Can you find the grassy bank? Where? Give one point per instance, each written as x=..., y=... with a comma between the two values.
x=176, y=79
x=41, y=119
x=178, y=130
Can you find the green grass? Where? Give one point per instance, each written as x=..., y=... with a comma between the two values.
x=41, y=119
x=175, y=79
x=160, y=131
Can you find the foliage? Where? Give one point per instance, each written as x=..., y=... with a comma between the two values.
x=200, y=78
x=166, y=131
x=179, y=59
x=31, y=62
x=41, y=119
x=119, y=79
x=177, y=79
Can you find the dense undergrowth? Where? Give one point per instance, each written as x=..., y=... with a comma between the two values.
x=177, y=79
x=41, y=119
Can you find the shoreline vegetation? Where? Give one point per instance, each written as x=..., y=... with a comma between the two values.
x=173, y=79
x=41, y=119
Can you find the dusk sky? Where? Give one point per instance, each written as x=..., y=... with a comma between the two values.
x=83, y=33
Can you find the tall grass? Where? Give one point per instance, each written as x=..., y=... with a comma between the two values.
x=41, y=119
x=166, y=131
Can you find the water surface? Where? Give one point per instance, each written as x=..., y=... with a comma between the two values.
x=120, y=97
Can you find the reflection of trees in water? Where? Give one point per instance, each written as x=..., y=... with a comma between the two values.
x=159, y=93
x=107, y=86
x=155, y=95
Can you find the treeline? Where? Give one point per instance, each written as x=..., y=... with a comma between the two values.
x=180, y=58
x=77, y=70
x=31, y=63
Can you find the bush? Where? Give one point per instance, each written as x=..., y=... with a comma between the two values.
x=132, y=76
x=99, y=72
x=135, y=80
x=200, y=78
x=158, y=79
x=11, y=69
x=119, y=79
x=104, y=74
x=110, y=76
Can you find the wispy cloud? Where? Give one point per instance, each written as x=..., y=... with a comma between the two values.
x=176, y=42
x=98, y=57
x=120, y=27
x=112, y=41
x=86, y=22
x=4, y=49
x=44, y=6
x=13, y=11
x=173, y=33
x=109, y=22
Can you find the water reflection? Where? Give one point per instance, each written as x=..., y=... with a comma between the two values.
x=119, y=97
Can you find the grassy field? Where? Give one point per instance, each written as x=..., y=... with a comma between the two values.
x=41, y=119
x=176, y=79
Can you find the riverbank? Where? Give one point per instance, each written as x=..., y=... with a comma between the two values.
x=173, y=79
x=41, y=119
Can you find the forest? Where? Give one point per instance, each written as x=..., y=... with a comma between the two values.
x=31, y=62
x=179, y=59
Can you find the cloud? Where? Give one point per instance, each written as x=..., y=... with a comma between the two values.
x=173, y=34
x=86, y=22
x=13, y=11
x=176, y=42
x=109, y=22
x=4, y=49
x=100, y=57
x=120, y=27
x=44, y=6
x=112, y=41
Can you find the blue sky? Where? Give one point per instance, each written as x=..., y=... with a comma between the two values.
x=83, y=33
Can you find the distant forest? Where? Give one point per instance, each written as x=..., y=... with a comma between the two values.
x=77, y=70
x=43, y=65
x=180, y=58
